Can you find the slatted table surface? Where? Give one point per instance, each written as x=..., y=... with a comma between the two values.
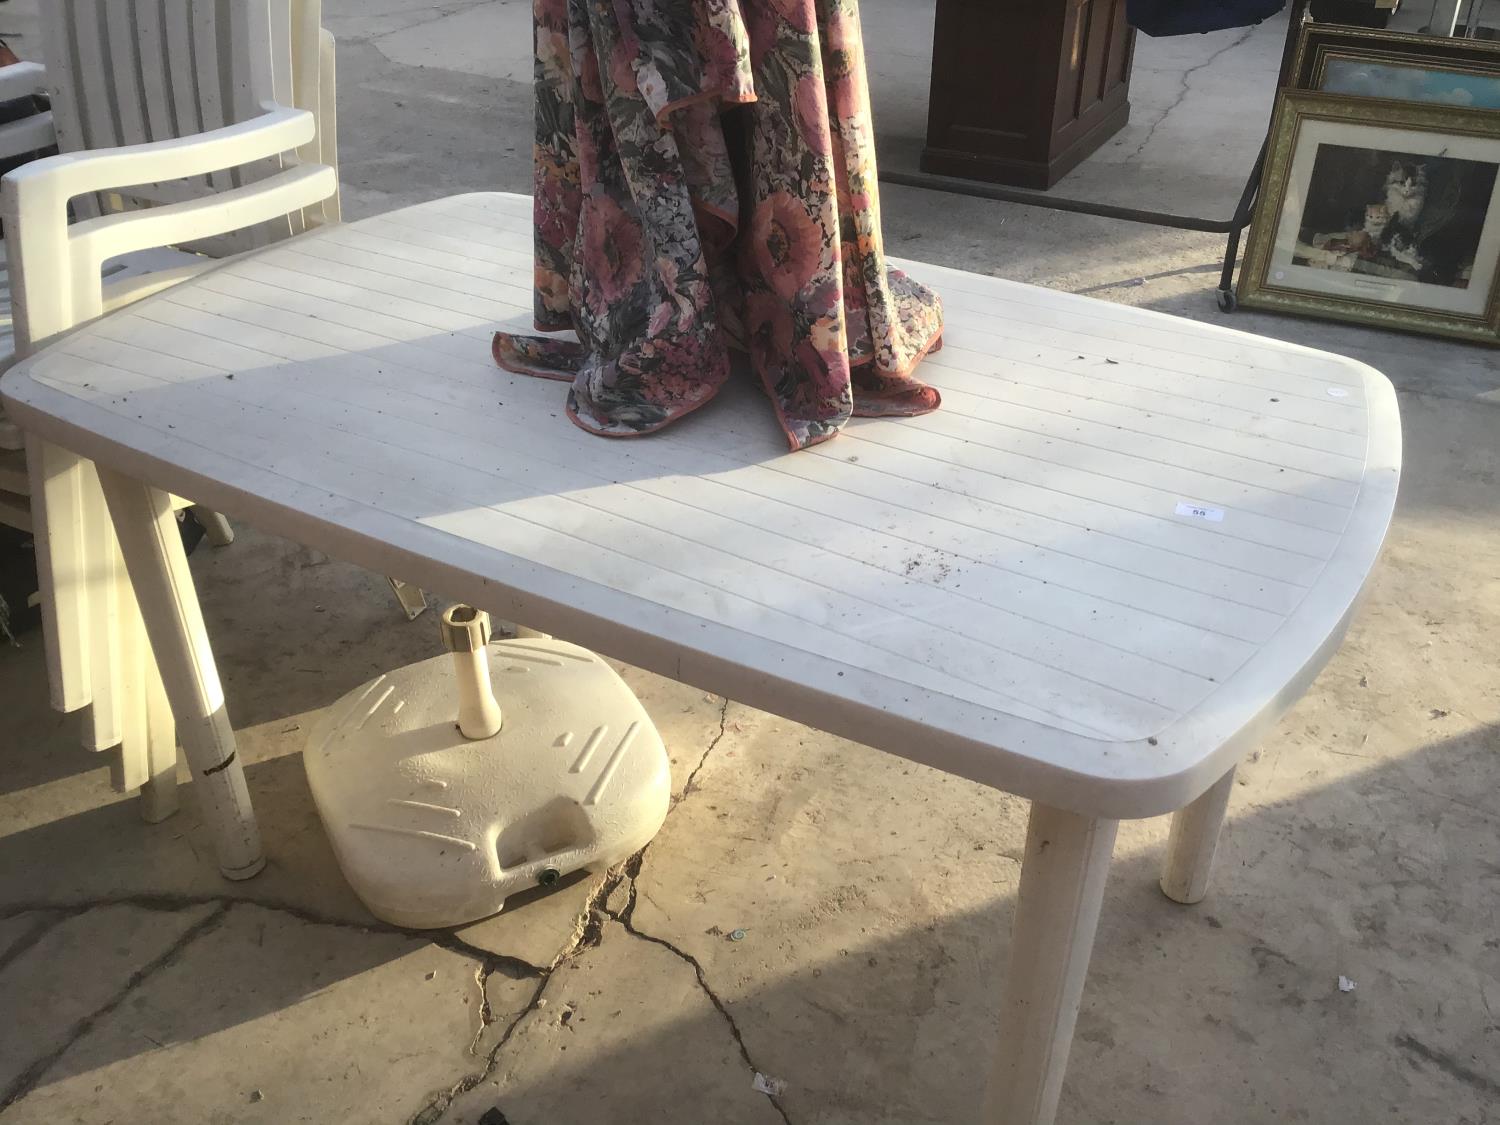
x=1125, y=543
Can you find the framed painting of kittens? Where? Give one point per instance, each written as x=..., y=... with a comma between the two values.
x=1379, y=212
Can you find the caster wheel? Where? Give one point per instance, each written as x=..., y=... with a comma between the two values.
x=1226, y=299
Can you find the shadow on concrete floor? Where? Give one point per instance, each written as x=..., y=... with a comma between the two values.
x=1182, y=1002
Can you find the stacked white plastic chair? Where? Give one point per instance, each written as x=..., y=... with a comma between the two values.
x=17, y=139
x=190, y=130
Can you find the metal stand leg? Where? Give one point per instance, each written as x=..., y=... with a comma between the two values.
x=1443, y=18
x=1057, y=912
x=1225, y=294
x=152, y=549
x=1237, y=227
x=1195, y=837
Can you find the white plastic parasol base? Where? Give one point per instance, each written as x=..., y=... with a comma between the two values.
x=433, y=829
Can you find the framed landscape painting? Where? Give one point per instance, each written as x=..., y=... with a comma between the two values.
x=1361, y=62
x=1379, y=212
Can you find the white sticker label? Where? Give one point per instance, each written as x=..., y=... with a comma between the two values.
x=1337, y=392
x=1198, y=512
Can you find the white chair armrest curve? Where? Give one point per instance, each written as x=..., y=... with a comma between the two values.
x=29, y=134
x=54, y=271
x=60, y=178
x=21, y=79
x=94, y=241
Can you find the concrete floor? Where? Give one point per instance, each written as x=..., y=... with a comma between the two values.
x=1363, y=839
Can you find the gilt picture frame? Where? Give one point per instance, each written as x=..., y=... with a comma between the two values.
x=1398, y=66
x=1379, y=212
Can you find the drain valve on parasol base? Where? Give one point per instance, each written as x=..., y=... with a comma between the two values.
x=451, y=784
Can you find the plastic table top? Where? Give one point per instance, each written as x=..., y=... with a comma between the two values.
x=1124, y=545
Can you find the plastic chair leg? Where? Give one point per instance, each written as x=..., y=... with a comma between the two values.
x=152, y=549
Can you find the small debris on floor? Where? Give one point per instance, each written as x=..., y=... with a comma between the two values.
x=1345, y=984
x=257, y=1096
x=736, y=935
x=774, y=1087
x=542, y=1003
x=432, y=974
x=1438, y=713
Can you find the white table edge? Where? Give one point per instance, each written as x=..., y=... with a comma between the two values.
x=1134, y=779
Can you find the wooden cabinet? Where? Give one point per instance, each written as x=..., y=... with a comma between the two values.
x=1022, y=90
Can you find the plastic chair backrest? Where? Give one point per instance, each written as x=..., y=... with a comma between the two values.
x=25, y=126
x=124, y=72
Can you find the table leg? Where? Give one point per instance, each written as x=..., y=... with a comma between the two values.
x=152, y=547
x=215, y=527
x=1057, y=912
x=1195, y=837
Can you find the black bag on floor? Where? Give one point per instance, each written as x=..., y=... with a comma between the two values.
x=1194, y=17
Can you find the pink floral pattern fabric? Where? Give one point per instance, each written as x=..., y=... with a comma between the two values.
x=705, y=180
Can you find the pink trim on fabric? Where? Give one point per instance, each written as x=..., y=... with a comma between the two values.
x=665, y=422
x=517, y=369
x=933, y=345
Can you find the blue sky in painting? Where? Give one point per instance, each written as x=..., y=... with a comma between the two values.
x=1411, y=83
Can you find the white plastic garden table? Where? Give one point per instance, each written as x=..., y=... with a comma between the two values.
x=1123, y=547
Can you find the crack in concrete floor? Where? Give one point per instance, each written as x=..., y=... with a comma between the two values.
x=588, y=933
x=518, y=967
x=488, y=963
x=39, y=930
x=27, y=1080
x=1185, y=79
x=626, y=920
